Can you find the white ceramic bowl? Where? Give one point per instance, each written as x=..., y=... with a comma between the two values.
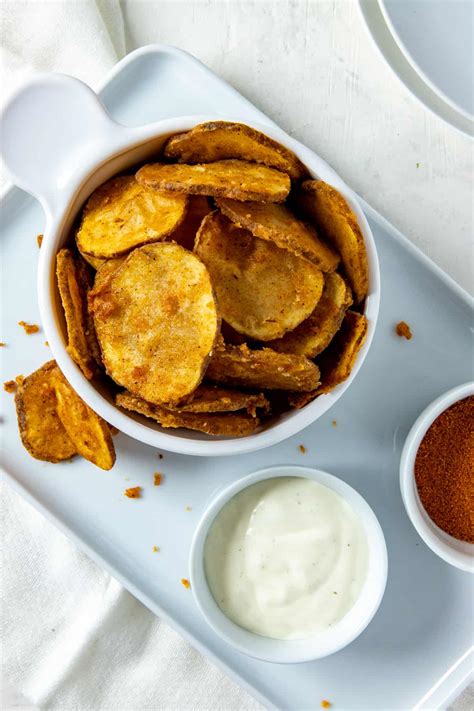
x=59, y=144
x=457, y=553
x=301, y=650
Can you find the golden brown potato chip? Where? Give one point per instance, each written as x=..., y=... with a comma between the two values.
x=185, y=234
x=315, y=333
x=261, y=291
x=241, y=367
x=333, y=216
x=218, y=424
x=236, y=179
x=278, y=224
x=122, y=214
x=212, y=398
x=106, y=270
x=74, y=300
x=95, y=262
x=218, y=140
x=86, y=282
x=41, y=430
x=89, y=432
x=157, y=322
x=337, y=361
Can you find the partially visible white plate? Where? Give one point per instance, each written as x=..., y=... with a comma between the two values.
x=413, y=81
x=436, y=37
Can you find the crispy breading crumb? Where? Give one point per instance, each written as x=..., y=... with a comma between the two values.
x=155, y=549
x=302, y=448
x=325, y=704
x=9, y=386
x=19, y=379
x=403, y=330
x=334, y=423
x=157, y=478
x=188, y=508
x=29, y=327
x=134, y=492
x=39, y=239
x=186, y=583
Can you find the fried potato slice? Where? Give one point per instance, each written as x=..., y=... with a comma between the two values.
x=122, y=214
x=261, y=291
x=331, y=214
x=217, y=424
x=185, y=234
x=212, y=398
x=314, y=334
x=80, y=331
x=89, y=432
x=266, y=369
x=94, y=262
x=157, y=322
x=106, y=270
x=41, y=430
x=236, y=179
x=277, y=224
x=218, y=140
x=337, y=361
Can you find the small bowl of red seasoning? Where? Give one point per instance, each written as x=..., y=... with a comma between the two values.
x=437, y=476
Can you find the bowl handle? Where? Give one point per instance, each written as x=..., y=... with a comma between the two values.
x=54, y=130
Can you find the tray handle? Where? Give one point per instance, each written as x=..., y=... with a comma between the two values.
x=54, y=130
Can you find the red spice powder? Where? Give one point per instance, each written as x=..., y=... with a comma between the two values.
x=444, y=469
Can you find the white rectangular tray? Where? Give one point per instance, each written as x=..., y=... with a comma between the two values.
x=416, y=650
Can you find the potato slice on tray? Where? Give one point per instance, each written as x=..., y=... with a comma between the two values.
x=337, y=361
x=122, y=214
x=212, y=398
x=73, y=284
x=261, y=291
x=330, y=212
x=89, y=432
x=42, y=433
x=157, y=323
x=236, y=179
x=277, y=224
x=218, y=140
x=229, y=424
x=314, y=334
x=266, y=369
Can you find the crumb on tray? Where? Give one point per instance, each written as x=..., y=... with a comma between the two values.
x=134, y=492
x=29, y=327
x=403, y=330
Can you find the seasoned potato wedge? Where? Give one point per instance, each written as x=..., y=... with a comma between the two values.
x=41, y=429
x=314, y=334
x=185, y=234
x=331, y=214
x=229, y=424
x=218, y=140
x=89, y=432
x=122, y=214
x=337, y=361
x=277, y=224
x=236, y=179
x=266, y=369
x=80, y=332
x=156, y=321
x=212, y=398
x=261, y=291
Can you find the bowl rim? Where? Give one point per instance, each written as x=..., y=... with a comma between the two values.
x=308, y=649
x=457, y=553
x=196, y=445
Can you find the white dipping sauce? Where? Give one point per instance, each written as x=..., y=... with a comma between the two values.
x=286, y=558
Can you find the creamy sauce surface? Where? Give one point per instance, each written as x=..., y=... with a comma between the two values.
x=286, y=558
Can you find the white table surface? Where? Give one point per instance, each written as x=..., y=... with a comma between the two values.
x=311, y=66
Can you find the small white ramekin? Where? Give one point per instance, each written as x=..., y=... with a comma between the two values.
x=76, y=147
x=457, y=553
x=315, y=647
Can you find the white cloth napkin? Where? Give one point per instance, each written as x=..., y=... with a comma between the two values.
x=72, y=637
